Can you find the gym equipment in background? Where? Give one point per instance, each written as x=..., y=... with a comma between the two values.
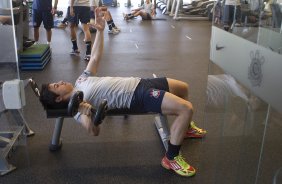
x=35, y=57
x=14, y=128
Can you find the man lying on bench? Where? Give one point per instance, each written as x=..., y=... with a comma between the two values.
x=158, y=95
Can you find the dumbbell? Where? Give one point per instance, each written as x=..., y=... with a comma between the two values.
x=98, y=114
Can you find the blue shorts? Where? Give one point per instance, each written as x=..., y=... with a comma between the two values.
x=148, y=95
x=46, y=17
x=92, y=14
x=81, y=13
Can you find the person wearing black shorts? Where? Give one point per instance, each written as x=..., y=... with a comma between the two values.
x=80, y=12
x=43, y=11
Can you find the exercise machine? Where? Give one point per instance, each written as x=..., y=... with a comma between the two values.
x=14, y=128
x=199, y=10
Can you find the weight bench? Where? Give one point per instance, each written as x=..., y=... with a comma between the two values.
x=161, y=122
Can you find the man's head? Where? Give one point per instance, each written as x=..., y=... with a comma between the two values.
x=56, y=95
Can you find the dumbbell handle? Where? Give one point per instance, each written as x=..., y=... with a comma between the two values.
x=99, y=114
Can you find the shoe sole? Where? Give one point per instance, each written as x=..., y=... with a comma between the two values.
x=194, y=136
x=87, y=59
x=114, y=33
x=73, y=54
x=168, y=168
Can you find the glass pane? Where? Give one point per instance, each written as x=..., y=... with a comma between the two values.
x=246, y=132
x=8, y=60
x=255, y=20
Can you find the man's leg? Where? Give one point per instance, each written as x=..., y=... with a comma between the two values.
x=84, y=17
x=183, y=110
x=36, y=33
x=87, y=38
x=48, y=22
x=181, y=89
x=112, y=27
x=49, y=35
x=130, y=15
x=36, y=20
x=73, y=26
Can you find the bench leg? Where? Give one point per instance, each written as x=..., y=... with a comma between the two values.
x=163, y=129
x=5, y=167
x=56, y=143
x=18, y=116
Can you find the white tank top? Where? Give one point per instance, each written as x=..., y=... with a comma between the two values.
x=118, y=91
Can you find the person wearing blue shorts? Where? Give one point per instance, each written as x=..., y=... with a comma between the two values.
x=159, y=95
x=43, y=11
x=80, y=12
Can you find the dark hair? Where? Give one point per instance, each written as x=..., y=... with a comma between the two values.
x=48, y=99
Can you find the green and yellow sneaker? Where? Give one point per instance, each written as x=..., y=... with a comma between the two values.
x=178, y=165
x=194, y=131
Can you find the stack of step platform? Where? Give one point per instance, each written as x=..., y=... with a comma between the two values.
x=35, y=57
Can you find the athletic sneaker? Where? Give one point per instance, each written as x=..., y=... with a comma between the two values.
x=178, y=165
x=113, y=31
x=87, y=57
x=194, y=131
x=117, y=29
x=75, y=52
x=226, y=27
x=125, y=16
x=62, y=25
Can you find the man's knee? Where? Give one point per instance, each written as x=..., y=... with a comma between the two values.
x=186, y=108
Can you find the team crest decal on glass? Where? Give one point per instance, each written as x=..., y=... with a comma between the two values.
x=255, y=68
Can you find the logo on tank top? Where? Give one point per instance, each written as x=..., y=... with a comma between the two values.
x=81, y=79
x=155, y=93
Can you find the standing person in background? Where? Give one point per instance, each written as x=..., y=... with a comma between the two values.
x=43, y=11
x=231, y=13
x=113, y=29
x=80, y=12
x=146, y=11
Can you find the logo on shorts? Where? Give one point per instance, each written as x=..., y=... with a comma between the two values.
x=155, y=93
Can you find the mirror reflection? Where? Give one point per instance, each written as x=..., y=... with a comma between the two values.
x=258, y=21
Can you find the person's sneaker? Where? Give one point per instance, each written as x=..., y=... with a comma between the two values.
x=178, y=165
x=87, y=58
x=75, y=52
x=125, y=16
x=226, y=27
x=194, y=131
x=117, y=29
x=113, y=31
x=28, y=43
x=62, y=25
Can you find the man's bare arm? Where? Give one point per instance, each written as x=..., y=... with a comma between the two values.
x=98, y=46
